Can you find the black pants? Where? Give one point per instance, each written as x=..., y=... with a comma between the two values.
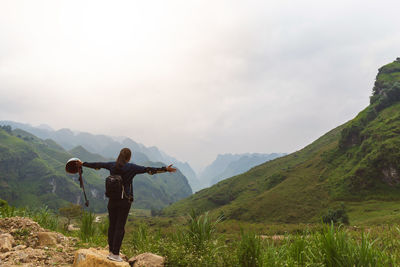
x=118, y=210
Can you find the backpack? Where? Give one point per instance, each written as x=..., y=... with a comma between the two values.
x=114, y=187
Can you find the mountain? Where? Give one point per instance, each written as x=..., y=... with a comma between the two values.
x=243, y=164
x=228, y=165
x=108, y=147
x=356, y=164
x=32, y=173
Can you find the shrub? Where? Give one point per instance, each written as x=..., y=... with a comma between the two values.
x=338, y=215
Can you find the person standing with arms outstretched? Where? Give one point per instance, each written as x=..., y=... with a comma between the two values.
x=118, y=209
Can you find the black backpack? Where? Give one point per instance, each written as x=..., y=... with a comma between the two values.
x=115, y=188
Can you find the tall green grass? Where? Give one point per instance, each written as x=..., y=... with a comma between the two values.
x=197, y=244
x=87, y=226
x=250, y=250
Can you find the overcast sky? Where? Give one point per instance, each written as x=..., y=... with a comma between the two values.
x=194, y=78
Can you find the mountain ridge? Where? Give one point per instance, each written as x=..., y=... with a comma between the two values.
x=107, y=146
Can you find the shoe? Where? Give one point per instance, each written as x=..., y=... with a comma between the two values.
x=114, y=257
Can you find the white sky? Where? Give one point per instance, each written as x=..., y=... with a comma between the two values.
x=194, y=78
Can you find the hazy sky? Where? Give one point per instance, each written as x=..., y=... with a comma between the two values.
x=194, y=78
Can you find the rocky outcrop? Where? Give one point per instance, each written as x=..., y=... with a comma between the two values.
x=6, y=242
x=147, y=260
x=95, y=258
x=49, y=238
x=391, y=176
x=24, y=242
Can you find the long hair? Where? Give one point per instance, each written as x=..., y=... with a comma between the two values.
x=123, y=157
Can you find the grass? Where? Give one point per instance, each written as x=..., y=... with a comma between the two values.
x=200, y=240
x=309, y=245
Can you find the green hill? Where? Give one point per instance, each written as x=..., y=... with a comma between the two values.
x=357, y=162
x=32, y=173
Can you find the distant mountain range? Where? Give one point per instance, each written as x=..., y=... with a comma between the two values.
x=225, y=166
x=106, y=146
x=228, y=165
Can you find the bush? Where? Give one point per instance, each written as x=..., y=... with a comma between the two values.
x=338, y=215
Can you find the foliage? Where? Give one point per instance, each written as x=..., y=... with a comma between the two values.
x=46, y=218
x=250, y=250
x=336, y=215
x=72, y=211
x=201, y=230
x=6, y=128
x=87, y=226
x=102, y=227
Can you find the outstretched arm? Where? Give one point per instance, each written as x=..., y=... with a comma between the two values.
x=151, y=170
x=97, y=165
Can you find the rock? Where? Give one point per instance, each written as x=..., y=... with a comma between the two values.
x=47, y=238
x=147, y=260
x=95, y=258
x=72, y=227
x=6, y=242
x=19, y=247
x=26, y=234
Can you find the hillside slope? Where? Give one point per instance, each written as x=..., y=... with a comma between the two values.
x=32, y=173
x=357, y=161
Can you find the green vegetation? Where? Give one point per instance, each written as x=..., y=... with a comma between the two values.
x=87, y=227
x=32, y=174
x=70, y=212
x=355, y=162
x=196, y=241
x=320, y=245
x=338, y=215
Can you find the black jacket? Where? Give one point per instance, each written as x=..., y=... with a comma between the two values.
x=127, y=172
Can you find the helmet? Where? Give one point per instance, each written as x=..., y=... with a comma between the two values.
x=72, y=166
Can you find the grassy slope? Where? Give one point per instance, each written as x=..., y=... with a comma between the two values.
x=30, y=167
x=346, y=164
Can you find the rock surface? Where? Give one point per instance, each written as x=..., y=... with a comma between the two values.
x=95, y=258
x=147, y=260
x=31, y=245
x=6, y=242
x=48, y=238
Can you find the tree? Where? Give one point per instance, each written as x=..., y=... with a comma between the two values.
x=72, y=211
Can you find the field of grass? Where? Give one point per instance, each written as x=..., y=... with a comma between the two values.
x=202, y=240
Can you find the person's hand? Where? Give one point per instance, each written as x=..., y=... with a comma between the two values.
x=171, y=169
